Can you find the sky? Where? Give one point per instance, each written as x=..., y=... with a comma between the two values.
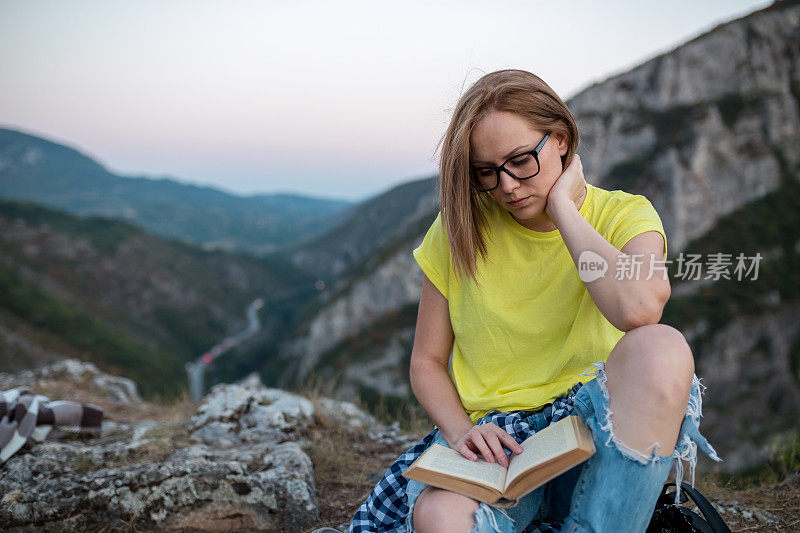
x=337, y=99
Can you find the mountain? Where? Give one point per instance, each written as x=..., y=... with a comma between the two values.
x=710, y=133
x=135, y=304
x=351, y=246
x=38, y=170
x=704, y=128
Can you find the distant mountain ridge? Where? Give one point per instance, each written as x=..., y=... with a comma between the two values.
x=38, y=170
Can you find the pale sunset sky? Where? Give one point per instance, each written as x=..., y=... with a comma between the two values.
x=335, y=99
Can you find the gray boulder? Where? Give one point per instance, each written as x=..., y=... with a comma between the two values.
x=237, y=464
x=119, y=389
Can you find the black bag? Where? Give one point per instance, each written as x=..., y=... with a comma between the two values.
x=671, y=517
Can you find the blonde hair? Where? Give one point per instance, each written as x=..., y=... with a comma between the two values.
x=463, y=208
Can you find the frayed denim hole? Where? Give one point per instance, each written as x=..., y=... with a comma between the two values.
x=484, y=512
x=685, y=448
x=594, y=369
x=606, y=426
x=694, y=409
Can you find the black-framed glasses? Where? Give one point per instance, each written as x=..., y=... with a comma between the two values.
x=520, y=167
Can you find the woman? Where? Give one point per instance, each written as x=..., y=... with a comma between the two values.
x=514, y=286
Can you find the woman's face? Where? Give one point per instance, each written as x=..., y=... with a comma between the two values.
x=500, y=135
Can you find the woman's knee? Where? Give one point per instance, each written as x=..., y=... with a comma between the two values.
x=443, y=510
x=657, y=358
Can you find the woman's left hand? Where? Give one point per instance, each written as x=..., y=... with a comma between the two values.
x=569, y=187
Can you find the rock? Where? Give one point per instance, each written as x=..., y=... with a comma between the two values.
x=119, y=389
x=247, y=469
x=747, y=367
x=392, y=436
x=234, y=414
x=275, y=492
x=393, y=284
x=758, y=515
x=345, y=413
x=791, y=478
x=765, y=516
x=236, y=464
x=252, y=380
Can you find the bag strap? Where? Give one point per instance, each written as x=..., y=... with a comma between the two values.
x=709, y=513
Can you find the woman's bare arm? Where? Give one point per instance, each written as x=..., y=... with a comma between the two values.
x=628, y=302
x=433, y=341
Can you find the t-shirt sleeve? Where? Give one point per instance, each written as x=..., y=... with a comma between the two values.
x=634, y=216
x=433, y=256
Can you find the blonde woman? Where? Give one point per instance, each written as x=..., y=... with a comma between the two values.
x=511, y=319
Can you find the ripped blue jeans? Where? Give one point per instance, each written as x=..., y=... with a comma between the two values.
x=615, y=490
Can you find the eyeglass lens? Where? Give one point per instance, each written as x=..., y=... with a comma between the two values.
x=522, y=167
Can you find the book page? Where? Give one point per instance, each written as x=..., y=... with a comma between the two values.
x=540, y=447
x=442, y=459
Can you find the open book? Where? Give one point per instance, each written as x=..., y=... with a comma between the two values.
x=545, y=455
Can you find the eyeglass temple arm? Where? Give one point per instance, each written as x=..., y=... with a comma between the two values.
x=541, y=143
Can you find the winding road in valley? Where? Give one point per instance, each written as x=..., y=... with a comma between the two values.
x=197, y=368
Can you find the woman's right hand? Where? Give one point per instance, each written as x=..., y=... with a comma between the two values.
x=486, y=439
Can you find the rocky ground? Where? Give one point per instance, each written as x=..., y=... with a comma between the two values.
x=248, y=458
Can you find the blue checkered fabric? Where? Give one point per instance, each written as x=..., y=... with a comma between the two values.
x=386, y=507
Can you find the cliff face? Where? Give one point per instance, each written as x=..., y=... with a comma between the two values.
x=393, y=284
x=371, y=275
x=705, y=131
x=753, y=395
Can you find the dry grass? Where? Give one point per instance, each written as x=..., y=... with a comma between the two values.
x=347, y=464
x=413, y=420
x=781, y=499
x=162, y=441
x=161, y=411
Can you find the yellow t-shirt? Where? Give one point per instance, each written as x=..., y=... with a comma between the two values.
x=525, y=336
